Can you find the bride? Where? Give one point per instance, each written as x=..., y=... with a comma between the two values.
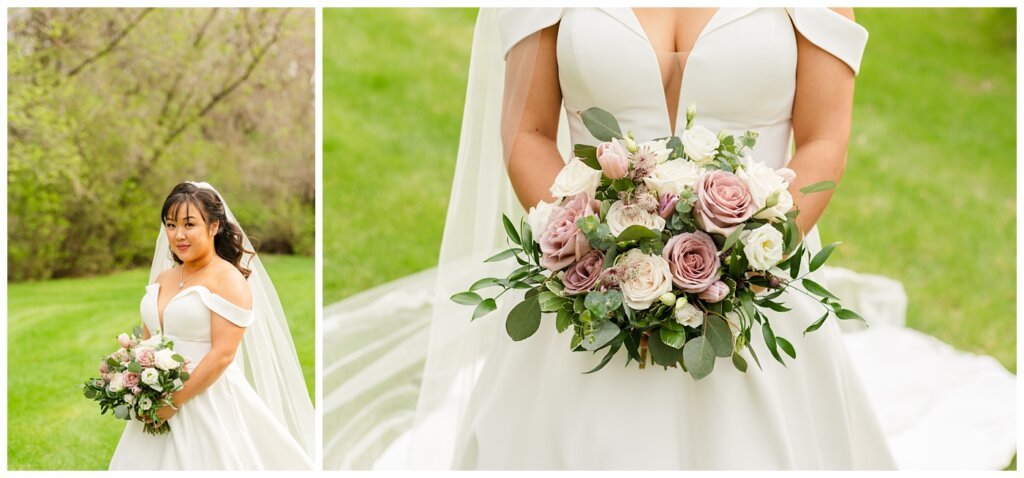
x=874, y=399
x=245, y=406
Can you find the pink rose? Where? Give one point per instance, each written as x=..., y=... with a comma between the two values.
x=131, y=379
x=667, y=205
x=145, y=356
x=714, y=293
x=582, y=275
x=613, y=159
x=723, y=202
x=693, y=260
x=563, y=242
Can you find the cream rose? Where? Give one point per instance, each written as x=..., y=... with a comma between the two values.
x=763, y=181
x=699, y=144
x=539, y=216
x=763, y=247
x=165, y=360
x=688, y=314
x=116, y=382
x=150, y=376
x=646, y=278
x=621, y=215
x=575, y=178
x=671, y=177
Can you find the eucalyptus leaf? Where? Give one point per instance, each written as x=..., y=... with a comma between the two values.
x=485, y=307
x=717, y=332
x=524, y=319
x=739, y=362
x=699, y=357
x=601, y=124
x=635, y=233
x=466, y=298
x=604, y=332
x=662, y=353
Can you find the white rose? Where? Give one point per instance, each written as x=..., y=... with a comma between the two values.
x=165, y=360
x=620, y=216
x=150, y=376
x=646, y=279
x=153, y=341
x=116, y=382
x=762, y=246
x=539, y=217
x=129, y=399
x=576, y=177
x=145, y=403
x=763, y=181
x=688, y=314
x=673, y=176
x=699, y=144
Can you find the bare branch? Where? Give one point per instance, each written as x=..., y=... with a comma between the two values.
x=110, y=46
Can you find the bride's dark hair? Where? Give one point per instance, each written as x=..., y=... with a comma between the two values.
x=228, y=242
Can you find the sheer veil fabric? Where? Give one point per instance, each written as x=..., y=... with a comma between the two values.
x=268, y=354
x=402, y=361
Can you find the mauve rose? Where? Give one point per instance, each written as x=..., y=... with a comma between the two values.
x=613, y=158
x=723, y=202
x=667, y=205
x=563, y=242
x=714, y=293
x=131, y=380
x=693, y=259
x=104, y=368
x=145, y=356
x=582, y=275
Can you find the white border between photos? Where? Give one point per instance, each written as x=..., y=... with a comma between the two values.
x=319, y=5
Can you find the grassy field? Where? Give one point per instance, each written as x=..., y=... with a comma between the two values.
x=928, y=197
x=66, y=326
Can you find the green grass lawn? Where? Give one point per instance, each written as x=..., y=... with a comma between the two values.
x=928, y=197
x=59, y=330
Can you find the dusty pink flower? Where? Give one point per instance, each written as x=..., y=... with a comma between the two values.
x=104, y=368
x=131, y=379
x=563, y=242
x=723, y=202
x=136, y=390
x=714, y=293
x=693, y=260
x=145, y=356
x=667, y=205
x=126, y=341
x=581, y=276
x=613, y=158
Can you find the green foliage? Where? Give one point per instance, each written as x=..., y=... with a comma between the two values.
x=69, y=325
x=108, y=109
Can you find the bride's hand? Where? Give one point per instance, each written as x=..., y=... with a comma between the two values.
x=165, y=413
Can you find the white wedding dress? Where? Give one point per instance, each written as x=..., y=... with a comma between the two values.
x=882, y=398
x=227, y=426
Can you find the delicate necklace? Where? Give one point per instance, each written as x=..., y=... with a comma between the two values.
x=182, y=278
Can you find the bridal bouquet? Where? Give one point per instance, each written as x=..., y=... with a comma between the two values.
x=673, y=246
x=137, y=378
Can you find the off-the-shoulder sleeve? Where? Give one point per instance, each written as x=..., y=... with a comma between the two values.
x=222, y=307
x=515, y=24
x=843, y=38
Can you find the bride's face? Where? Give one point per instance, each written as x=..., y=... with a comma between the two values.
x=188, y=234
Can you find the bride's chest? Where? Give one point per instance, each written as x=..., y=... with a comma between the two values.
x=742, y=65
x=185, y=315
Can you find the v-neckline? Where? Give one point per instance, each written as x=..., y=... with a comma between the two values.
x=156, y=302
x=665, y=107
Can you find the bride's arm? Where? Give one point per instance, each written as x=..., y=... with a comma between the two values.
x=224, y=340
x=530, y=117
x=822, y=107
